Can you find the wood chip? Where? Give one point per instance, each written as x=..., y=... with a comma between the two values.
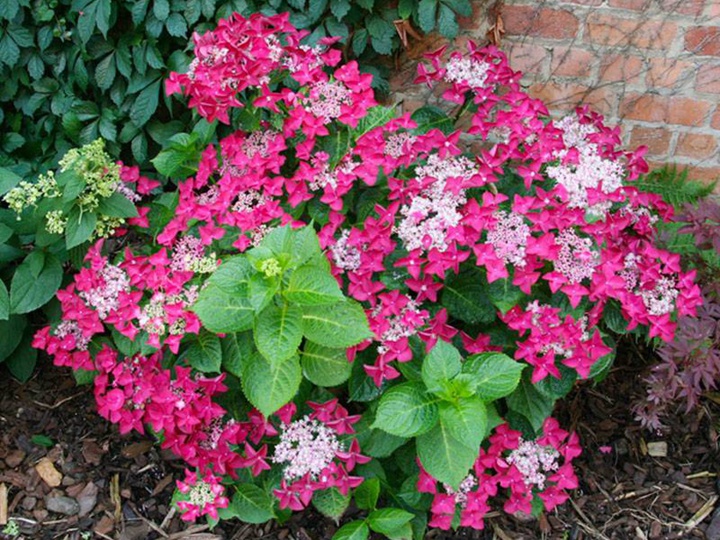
x=136, y=449
x=657, y=449
x=92, y=452
x=47, y=471
x=3, y=504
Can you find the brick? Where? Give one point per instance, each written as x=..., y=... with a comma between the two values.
x=635, y=5
x=529, y=58
x=656, y=139
x=571, y=62
x=708, y=79
x=621, y=67
x=539, y=22
x=561, y=97
x=712, y=10
x=683, y=7
x=593, y=3
x=666, y=72
x=703, y=40
x=707, y=175
x=715, y=122
x=609, y=30
x=664, y=109
x=696, y=145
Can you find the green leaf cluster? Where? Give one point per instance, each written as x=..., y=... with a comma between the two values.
x=283, y=293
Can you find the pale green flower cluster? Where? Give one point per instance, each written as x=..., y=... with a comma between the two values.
x=28, y=194
x=55, y=222
x=101, y=175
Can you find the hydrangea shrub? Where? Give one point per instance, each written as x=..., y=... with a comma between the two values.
x=347, y=303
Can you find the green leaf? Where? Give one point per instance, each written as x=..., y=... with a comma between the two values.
x=312, y=286
x=430, y=117
x=80, y=227
x=9, y=51
x=427, y=10
x=331, y=503
x=176, y=25
x=444, y=457
x=8, y=180
x=236, y=348
x=146, y=104
x=405, y=8
x=496, y=375
x=340, y=8
x=367, y=493
x=117, y=205
x=105, y=72
x=205, y=353
x=388, y=520
x=270, y=386
x=557, y=388
x=12, y=332
x=360, y=41
x=4, y=302
x=21, y=363
x=222, y=312
x=530, y=403
x=278, y=332
x=250, y=504
x=466, y=420
x=232, y=275
x=102, y=16
x=447, y=22
x=42, y=440
x=35, y=282
x=355, y=530
x=161, y=9
x=343, y=324
x=324, y=366
x=601, y=368
x=261, y=291
x=406, y=410
x=465, y=297
x=441, y=365
x=139, y=11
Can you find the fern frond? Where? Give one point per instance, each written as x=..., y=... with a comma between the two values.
x=673, y=186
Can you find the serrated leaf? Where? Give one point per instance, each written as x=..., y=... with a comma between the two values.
x=331, y=503
x=36, y=67
x=465, y=298
x=360, y=41
x=9, y=51
x=324, y=366
x=117, y=205
x=496, y=375
x=205, y=353
x=406, y=410
x=556, y=388
x=139, y=11
x=35, y=282
x=8, y=180
x=466, y=420
x=12, y=332
x=430, y=117
x=340, y=8
x=441, y=365
x=447, y=22
x=22, y=36
x=250, y=504
x=222, y=312
x=270, y=386
x=102, y=16
x=530, y=403
x=21, y=363
x=343, y=324
x=105, y=72
x=312, y=286
x=145, y=104
x=427, y=10
x=388, y=520
x=236, y=348
x=80, y=227
x=278, y=332
x=444, y=457
x=161, y=9
x=366, y=494
x=176, y=25
x=355, y=530
x=4, y=302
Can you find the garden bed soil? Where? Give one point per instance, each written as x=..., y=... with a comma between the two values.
x=67, y=474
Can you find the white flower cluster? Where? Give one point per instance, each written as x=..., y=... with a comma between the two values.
x=466, y=70
x=534, y=461
x=307, y=446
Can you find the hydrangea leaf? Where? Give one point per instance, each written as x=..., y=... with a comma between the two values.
x=270, y=386
x=343, y=324
x=406, y=410
x=440, y=365
x=325, y=366
x=443, y=456
x=496, y=375
x=312, y=286
x=278, y=332
x=331, y=503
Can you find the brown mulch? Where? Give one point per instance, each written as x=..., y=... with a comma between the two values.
x=67, y=474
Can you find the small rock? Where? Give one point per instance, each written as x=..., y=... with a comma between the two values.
x=40, y=515
x=28, y=503
x=62, y=505
x=48, y=472
x=87, y=499
x=15, y=458
x=657, y=449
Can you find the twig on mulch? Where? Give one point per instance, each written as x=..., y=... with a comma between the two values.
x=638, y=493
x=586, y=524
x=168, y=518
x=149, y=523
x=188, y=532
x=57, y=404
x=701, y=514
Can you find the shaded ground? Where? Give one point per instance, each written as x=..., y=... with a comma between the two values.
x=67, y=474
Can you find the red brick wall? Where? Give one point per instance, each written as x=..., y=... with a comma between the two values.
x=653, y=66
